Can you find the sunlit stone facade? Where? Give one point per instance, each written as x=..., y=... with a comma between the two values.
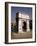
x=21, y=17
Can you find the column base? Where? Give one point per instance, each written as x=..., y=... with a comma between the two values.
x=28, y=30
x=20, y=31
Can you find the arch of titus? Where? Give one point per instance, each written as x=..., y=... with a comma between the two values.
x=20, y=17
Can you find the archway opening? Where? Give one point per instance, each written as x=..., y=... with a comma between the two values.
x=24, y=26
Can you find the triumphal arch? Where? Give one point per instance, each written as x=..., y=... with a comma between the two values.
x=22, y=21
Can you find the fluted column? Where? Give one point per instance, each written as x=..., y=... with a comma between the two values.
x=20, y=26
x=28, y=28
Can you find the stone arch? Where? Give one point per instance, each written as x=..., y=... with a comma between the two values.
x=23, y=18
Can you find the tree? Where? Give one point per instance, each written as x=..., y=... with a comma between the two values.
x=31, y=24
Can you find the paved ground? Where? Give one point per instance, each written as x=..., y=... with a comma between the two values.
x=23, y=35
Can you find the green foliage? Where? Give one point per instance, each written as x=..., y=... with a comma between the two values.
x=15, y=28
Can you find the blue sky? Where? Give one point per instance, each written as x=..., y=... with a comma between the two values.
x=24, y=10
